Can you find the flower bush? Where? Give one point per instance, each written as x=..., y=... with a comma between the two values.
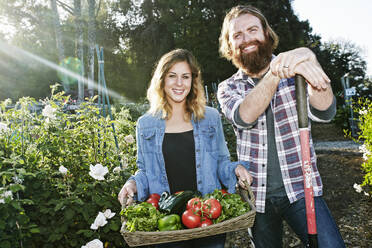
x=364, y=110
x=60, y=173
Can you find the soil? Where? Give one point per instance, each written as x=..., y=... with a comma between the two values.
x=352, y=211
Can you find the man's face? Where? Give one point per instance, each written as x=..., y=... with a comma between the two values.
x=251, y=49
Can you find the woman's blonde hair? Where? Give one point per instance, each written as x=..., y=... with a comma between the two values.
x=195, y=100
x=225, y=47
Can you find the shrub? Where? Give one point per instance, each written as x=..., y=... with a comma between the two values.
x=49, y=193
x=365, y=136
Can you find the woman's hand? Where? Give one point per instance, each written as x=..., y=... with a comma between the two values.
x=243, y=176
x=127, y=191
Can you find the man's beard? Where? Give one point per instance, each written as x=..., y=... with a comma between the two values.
x=253, y=62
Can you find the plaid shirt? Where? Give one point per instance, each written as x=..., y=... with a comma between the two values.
x=252, y=141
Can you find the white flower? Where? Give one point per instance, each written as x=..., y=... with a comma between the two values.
x=3, y=127
x=129, y=139
x=48, y=112
x=98, y=172
x=365, y=151
x=366, y=194
x=63, y=170
x=99, y=221
x=108, y=214
x=96, y=243
x=116, y=169
x=363, y=112
x=6, y=194
x=357, y=188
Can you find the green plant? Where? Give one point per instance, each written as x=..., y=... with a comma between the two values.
x=364, y=109
x=59, y=170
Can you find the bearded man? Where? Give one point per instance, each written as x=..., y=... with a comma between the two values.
x=260, y=102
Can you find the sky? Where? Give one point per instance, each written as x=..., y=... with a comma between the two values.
x=349, y=20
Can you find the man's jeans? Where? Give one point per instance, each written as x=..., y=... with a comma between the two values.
x=268, y=227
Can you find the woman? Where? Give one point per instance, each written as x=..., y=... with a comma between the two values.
x=180, y=140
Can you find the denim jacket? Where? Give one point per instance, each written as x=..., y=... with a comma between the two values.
x=212, y=157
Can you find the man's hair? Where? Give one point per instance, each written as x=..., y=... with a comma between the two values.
x=225, y=47
x=195, y=100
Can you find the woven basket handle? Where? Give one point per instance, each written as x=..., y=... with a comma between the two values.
x=247, y=194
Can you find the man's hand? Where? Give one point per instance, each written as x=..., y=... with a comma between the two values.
x=300, y=61
x=127, y=191
x=243, y=176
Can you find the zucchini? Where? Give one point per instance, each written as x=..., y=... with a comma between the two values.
x=176, y=203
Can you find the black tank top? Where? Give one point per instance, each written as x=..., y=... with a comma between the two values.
x=179, y=158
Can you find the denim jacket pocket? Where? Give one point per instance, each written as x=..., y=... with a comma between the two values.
x=149, y=140
x=209, y=138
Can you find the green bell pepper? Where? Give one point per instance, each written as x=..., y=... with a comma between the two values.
x=170, y=223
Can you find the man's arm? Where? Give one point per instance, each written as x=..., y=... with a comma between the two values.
x=320, y=99
x=256, y=102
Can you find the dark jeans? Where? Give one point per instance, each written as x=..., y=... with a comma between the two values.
x=268, y=227
x=217, y=241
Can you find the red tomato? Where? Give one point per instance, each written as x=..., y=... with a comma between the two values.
x=154, y=202
x=154, y=195
x=212, y=208
x=194, y=204
x=190, y=220
x=205, y=222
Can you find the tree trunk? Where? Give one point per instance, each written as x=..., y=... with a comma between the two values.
x=79, y=46
x=91, y=42
x=58, y=34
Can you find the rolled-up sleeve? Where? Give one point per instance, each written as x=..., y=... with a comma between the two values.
x=230, y=99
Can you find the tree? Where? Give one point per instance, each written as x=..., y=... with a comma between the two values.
x=91, y=43
x=155, y=27
x=340, y=57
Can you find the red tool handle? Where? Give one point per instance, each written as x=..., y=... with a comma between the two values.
x=303, y=124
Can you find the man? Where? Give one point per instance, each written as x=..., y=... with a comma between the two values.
x=260, y=102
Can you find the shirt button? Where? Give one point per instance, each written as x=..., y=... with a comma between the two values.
x=199, y=182
x=198, y=165
x=263, y=165
x=262, y=123
x=263, y=144
x=263, y=185
x=197, y=150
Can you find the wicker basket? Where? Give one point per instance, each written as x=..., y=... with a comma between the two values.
x=241, y=222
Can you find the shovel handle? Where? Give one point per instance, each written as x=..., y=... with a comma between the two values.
x=300, y=83
x=303, y=124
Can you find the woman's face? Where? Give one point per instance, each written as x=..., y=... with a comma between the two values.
x=177, y=83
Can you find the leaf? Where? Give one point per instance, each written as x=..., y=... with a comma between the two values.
x=114, y=226
x=86, y=233
x=35, y=230
x=69, y=213
x=59, y=206
x=16, y=187
x=16, y=205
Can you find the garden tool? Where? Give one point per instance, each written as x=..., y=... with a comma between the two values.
x=303, y=125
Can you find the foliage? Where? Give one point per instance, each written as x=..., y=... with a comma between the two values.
x=46, y=162
x=365, y=136
x=195, y=25
x=338, y=58
x=124, y=28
